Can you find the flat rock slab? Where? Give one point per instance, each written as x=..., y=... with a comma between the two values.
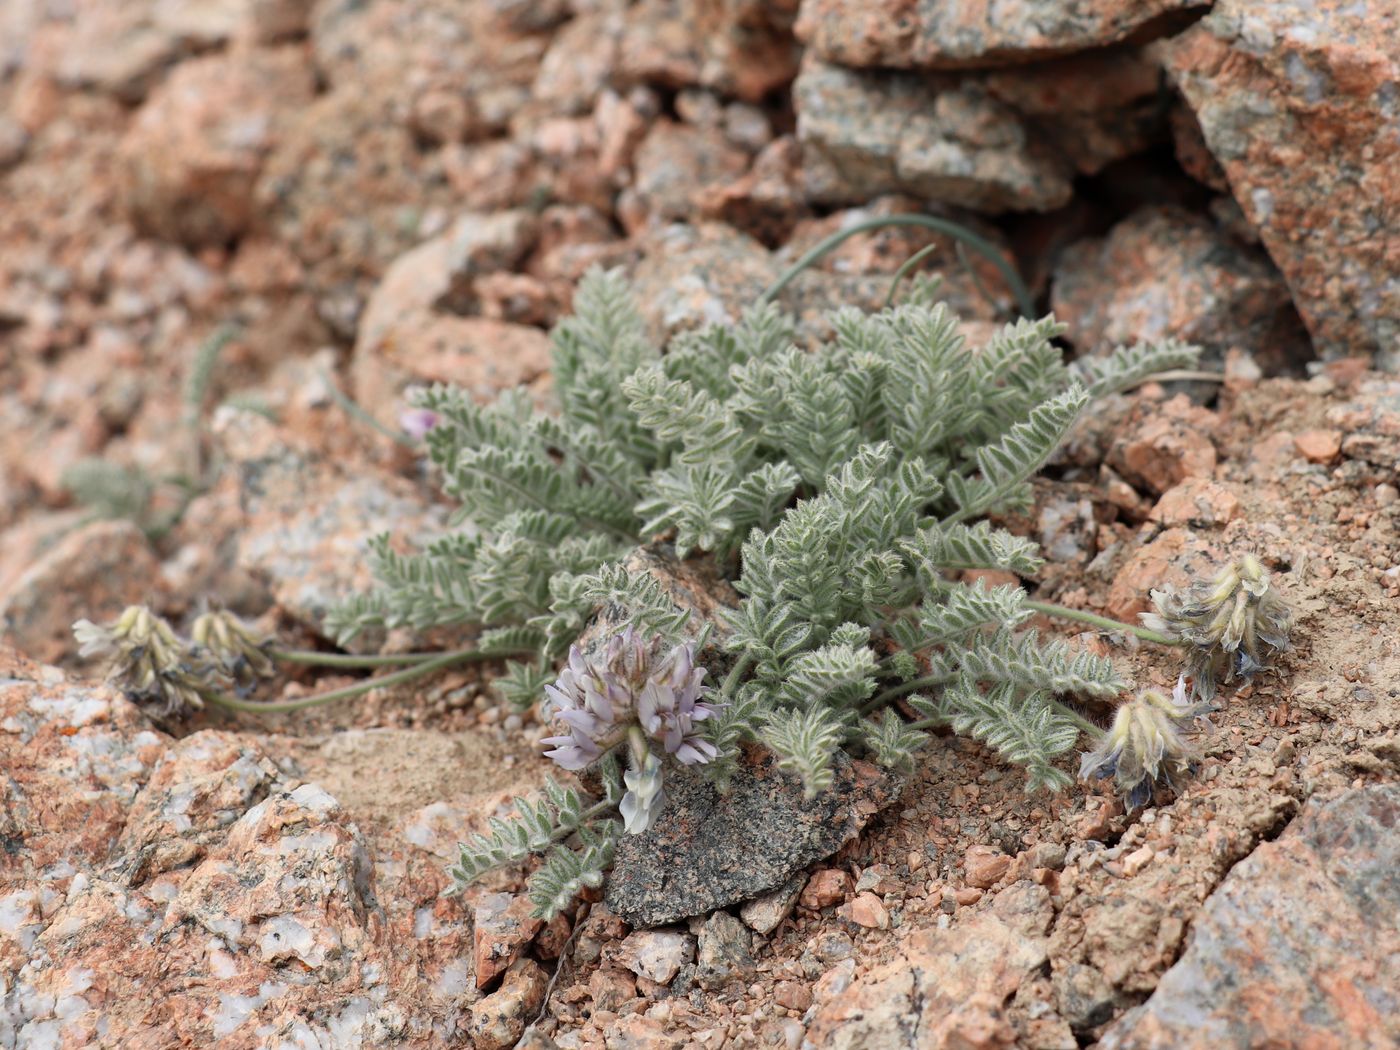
x=937, y=34
x=714, y=850
x=1300, y=946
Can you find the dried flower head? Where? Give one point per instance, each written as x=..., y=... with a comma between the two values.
x=1145, y=745
x=633, y=684
x=1232, y=626
x=238, y=650
x=147, y=661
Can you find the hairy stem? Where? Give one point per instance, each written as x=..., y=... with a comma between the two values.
x=731, y=680
x=1025, y=302
x=879, y=700
x=1084, y=724
x=1066, y=613
x=408, y=674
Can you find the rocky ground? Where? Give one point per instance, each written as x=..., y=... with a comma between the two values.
x=216, y=217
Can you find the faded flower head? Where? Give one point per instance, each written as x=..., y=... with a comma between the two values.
x=1145, y=745
x=147, y=661
x=240, y=652
x=1232, y=626
x=634, y=683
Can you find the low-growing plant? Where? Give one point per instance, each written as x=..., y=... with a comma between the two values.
x=844, y=489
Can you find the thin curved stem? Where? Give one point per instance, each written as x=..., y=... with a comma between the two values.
x=731, y=680
x=408, y=674
x=355, y=412
x=907, y=267
x=313, y=658
x=903, y=689
x=1025, y=302
x=1066, y=613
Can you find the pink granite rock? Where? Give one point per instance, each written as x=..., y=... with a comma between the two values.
x=1298, y=946
x=192, y=157
x=1298, y=103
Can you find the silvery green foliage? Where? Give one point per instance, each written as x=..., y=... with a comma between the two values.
x=544, y=826
x=844, y=487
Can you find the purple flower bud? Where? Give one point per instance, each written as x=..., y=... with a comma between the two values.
x=416, y=422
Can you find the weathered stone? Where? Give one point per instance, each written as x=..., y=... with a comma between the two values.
x=932, y=34
x=1165, y=273
x=1197, y=502
x=336, y=190
x=502, y=925
x=1096, y=108
x=1298, y=946
x=826, y=887
x=440, y=273
x=712, y=851
x=768, y=200
x=92, y=573
x=307, y=522
x=869, y=911
x=14, y=140
x=949, y=990
x=983, y=866
x=198, y=789
x=1318, y=446
x=500, y=1019
x=940, y=138
x=74, y=758
x=675, y=164
x=1175, y=557
x=191, y=159
x=656, y=955
x=723, y=951
x=1168, y=447
x=1298, y=102
x=481, y=356
x=738, y=47
x=764, y=914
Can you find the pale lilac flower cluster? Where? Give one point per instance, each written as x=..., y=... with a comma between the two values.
x=634, y=693
x=1146, y=744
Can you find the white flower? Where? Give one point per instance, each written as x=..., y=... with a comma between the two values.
x=644, y=799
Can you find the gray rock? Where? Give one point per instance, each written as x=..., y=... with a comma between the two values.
x=724, y=951
x=937, y=34
x=763, y=914
x=715, y=850
x=1300, y=945
x=656, y=955
x=940, y=138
